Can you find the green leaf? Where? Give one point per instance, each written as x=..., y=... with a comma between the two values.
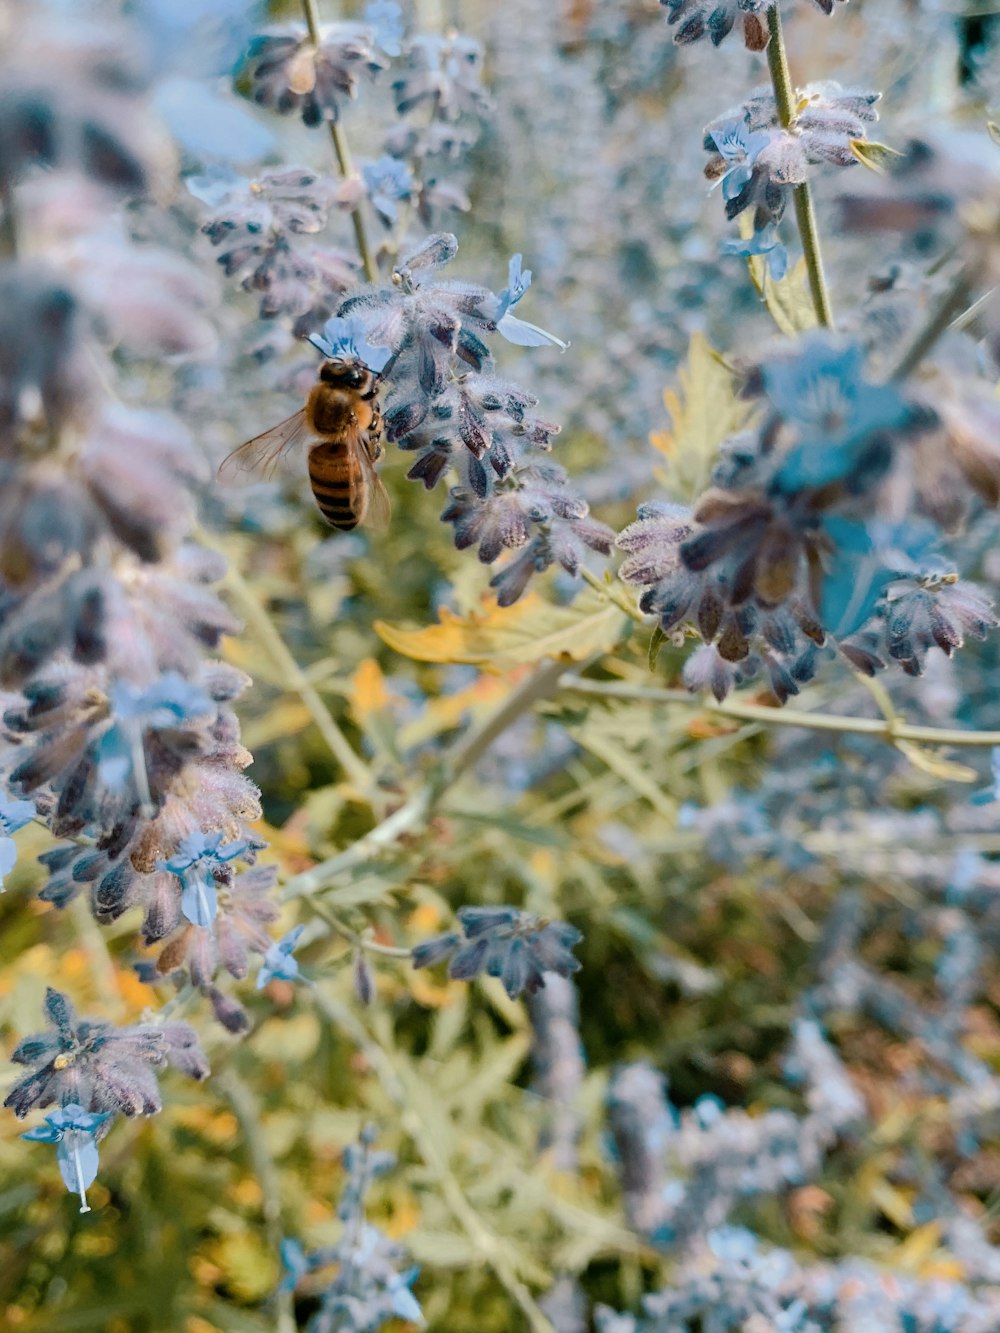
x=875, y=156
x=656, y=642
x=501, y=637
x=704, y=411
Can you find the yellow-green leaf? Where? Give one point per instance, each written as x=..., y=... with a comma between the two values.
x=875, y=156
x=704, y=411
x=499, y=638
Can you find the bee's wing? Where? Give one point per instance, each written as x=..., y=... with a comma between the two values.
x=379, y=505
x=260, y=455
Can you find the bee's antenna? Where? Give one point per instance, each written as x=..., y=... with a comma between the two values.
x=320, y=343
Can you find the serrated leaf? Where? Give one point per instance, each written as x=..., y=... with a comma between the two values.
x=789, y=300
x=703, y=411
x=499, y=638
x=875, y=156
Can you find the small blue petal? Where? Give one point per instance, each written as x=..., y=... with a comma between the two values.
x=200, y=900
x=523, y=334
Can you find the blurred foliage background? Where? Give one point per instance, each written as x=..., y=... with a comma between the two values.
x=715, y=863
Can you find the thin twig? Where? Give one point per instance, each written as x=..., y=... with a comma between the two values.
x=343, y=154
x=542, y=683
x=295, y=678
x=889, y=730
x=805, y=216
x=951, y=305
x=8, y=224
x=614, y=594
x=247, y=1112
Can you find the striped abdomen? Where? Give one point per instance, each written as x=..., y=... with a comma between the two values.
x=339, y=483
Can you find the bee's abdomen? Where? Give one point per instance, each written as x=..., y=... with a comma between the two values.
x=337, y=485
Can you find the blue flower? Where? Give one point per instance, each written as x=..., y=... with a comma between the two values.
x=171, y=701
x=385, y=18
x=75, y=1132
x=823, y=391
x=344, y=340
x=294, y=1263
x=764, y=242
x=518, y=947
x=14, y=814
x=195, y=863
x=739, y=147
x=278, y=961
x=519, y=331
x=387, y=181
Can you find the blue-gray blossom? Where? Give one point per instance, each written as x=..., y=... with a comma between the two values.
x=278, y=962
x=14, y=814
x=75, y=1132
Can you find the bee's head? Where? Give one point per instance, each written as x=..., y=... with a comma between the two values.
x=344, y=374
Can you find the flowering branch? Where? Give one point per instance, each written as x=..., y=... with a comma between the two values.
x=889, y=730
x=805, y=216
x=343, y=153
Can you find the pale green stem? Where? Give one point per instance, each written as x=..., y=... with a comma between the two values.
x=8, y=224
x=247, y=1111
x=950, y=307
x=102, y=965
x=614, y=594
x=296, y=679
x=542, y=683
x=805, y=216
x=782, y=717
x=343, y=154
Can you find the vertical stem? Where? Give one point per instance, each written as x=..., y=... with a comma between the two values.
x=8, y=223
x=805, y=216
x=344, y=161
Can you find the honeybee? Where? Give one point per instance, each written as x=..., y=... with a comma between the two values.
x=342, y=426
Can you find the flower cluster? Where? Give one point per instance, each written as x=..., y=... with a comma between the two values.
x=442, y=74
x=368, y=1288
x=445, y=403
x=294, y=76
x=257, y=225
x=716, y=19
x=117, y=721
x=683, y=1172
x=518, y=947
x=788, y=547
x=759, y=162
x=93, y=1071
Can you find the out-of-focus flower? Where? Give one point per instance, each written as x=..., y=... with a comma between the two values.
x=294, y=77
x=387, y=182
x=446, y=71
x=14, y=814
x=368, y=1288
x=518, y=947
x=278, y=964
x=716, y=19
